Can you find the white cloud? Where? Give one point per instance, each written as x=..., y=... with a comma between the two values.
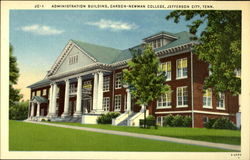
x=41, y=30
x=113, y=25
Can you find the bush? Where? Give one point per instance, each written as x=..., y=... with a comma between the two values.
x=19, y=110
x=187, y=121
x=177, y=121
x=167, y=120
x=107, y=118
x=210, y=123
x=150, y=121
x=43, y=120
x=223, y=123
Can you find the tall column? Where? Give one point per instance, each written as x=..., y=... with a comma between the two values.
x=100, y=92
x=38, y=110
x=50, y=99
x=95, y=90
x=53, y=105
x=128, y=100
x=32, y=109
x=66, y=99
x=78, y=111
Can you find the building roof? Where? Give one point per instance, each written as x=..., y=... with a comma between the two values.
x=108, y=55
x=100, y=53
x=39, y=99
x=161, y=33
x=43, y=82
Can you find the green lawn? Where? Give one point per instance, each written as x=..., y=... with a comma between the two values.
x=202, y=134
x=35, y=137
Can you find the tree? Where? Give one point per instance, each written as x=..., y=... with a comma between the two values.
x=14, y=94
x=219, y=45
x=145, y=78
x=19, y=111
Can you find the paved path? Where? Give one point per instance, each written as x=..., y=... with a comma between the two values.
x=146, y=136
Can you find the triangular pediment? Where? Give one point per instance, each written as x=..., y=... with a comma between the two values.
x=71, y=58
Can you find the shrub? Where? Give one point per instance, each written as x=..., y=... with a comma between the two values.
x=177, y=121
x=187, y=121
x=223, y=123
x=167, y=120
x=150, y=121
x=43, y=120
x=107, y=118
x=210, y=123
x=19, y=110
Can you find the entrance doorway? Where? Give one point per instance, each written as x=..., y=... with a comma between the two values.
x=87, y=104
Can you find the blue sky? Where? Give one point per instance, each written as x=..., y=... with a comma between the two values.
x=38, y=37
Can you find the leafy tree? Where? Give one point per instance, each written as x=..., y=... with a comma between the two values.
x=145, y=77
x=19, y=111
x=14, y=94
x=219, y=45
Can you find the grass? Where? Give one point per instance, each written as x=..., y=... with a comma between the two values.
x=34, y=137
x=201, y=134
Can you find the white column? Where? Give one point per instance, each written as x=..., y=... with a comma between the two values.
x=66, y=99
x=32, y=109
x=38, y=110
x=50, y=99
x=128, y=100
x=95, y=90
x=53, y=105
x=100, y=92
x=78, y=111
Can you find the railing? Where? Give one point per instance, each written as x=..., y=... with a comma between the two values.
x=119, y=119
x=135, y=120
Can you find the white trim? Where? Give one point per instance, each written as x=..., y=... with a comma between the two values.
x=214, y=113
x=180, y=106
x=192, y=88
x=182, y=77
x=219, y=108
x=195, y=111
x=189, y=111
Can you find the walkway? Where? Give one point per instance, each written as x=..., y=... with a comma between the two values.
x=146, y=136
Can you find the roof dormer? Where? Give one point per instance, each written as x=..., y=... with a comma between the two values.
x=160, y=39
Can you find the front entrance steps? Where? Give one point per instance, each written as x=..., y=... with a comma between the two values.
x=129, y=118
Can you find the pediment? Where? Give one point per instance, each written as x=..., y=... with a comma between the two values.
x=72, y=58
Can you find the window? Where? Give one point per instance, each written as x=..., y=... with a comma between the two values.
x=182, y=97
x=209, y=69
x=158, y=43
x=105, y=103
x=86, y=87
x=164, y=101
x=118, y=80
x=181, y=68
x=106, y=82
x=207, y=98
x=118, y=100
x=167, y=68
x=73, y=59
x=154, y=44
x=57, y=91
x=38, y=93
x=33, y=93
x=221, y=101
x=72, y=88
x=44, y=92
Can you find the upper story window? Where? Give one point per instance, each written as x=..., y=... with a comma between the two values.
x=182, y=97
x=118, y=80
x=164, y=101
x=72, y=88
x=118, y=102
x=87, y=87
x=181, y=68
x=221, y=101
x=33, y=93
x=44, y=92
x=106, y=82
x=38, y=93
x=73, y=59
x=207, y=98
x=167, y=68
x=106, y=103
